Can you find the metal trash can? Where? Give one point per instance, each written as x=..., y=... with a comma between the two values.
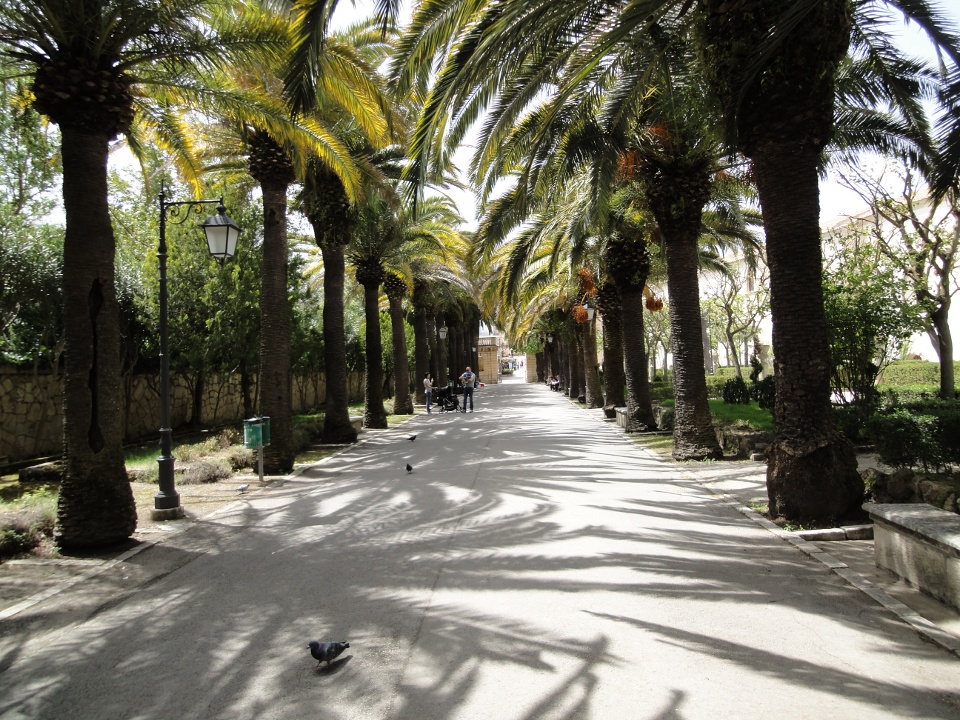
x=252, y=433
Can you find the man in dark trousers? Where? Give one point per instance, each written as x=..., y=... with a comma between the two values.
x=467, y=381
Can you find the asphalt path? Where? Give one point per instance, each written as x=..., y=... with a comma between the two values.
x=535, y=564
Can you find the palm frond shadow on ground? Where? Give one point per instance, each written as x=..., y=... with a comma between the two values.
x=486, y=526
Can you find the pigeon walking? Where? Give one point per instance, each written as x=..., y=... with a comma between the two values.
x=409, y=468
x=243, y=488
x=326, y=650
x=411, y=438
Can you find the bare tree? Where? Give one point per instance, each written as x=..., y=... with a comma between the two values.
x=921, y=236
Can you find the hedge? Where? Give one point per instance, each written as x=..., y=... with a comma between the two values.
x=913, y=373
x=923, y=434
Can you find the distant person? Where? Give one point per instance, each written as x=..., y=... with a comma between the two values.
x=428, y=389
x=467, y=381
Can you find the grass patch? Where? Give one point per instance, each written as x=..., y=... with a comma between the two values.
x=26, y=524
x=660, y=444
x=731, y=415
x=752, y=416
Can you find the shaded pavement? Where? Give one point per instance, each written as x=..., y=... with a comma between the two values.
x=535, y=564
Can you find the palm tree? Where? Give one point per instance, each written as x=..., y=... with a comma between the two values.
x=350, y=110
x=375, y=230
x=270, y=165
x=771, y=67
x=324, y=201
x=396, y=290
x=96, y=69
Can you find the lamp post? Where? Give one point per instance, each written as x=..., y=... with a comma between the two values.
x=222, y=234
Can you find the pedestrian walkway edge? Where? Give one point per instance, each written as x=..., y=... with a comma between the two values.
x=923, y=627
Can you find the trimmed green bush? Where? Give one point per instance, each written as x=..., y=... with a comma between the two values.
x=850, y=422
x=736, y=392
x=923, y=435
x=913, y=373
x=765, y=392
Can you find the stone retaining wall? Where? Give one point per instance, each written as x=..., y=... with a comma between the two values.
x=31, y=420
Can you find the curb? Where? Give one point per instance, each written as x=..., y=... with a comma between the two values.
x=923, y=627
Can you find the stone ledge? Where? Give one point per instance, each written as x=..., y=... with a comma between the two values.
x=923, y=521
x=921, y=544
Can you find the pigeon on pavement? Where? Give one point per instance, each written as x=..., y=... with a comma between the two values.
x=411, y=438
x=326, y=650
x=409, y=468
x=243, y=488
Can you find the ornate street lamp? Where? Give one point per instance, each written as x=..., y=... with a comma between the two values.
x=442, y=331
x=222, y=234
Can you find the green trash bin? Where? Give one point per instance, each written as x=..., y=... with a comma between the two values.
x=252, y=433
x=265, y=430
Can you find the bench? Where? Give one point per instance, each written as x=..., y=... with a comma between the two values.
x=621, y=416
x=921, y=544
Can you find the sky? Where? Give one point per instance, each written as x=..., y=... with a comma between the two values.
x=836, y=201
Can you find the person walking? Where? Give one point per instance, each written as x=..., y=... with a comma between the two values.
x=428, y=389
x=467, y=381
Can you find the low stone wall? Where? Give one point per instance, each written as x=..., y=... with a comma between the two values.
x=908, y=486
x=31, y=419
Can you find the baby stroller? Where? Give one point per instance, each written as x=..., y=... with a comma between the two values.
x=447, y=399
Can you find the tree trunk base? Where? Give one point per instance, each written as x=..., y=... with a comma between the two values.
x=689, y=451
x=339, y=433
x=95, y=515
x=821, y=486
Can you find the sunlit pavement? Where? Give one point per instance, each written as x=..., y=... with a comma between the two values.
x=535, y=564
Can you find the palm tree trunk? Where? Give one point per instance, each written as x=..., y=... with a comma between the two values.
x=402, y=402
x=591, y=374
x=694, y=437
x=96, y=505
x=421, y=351
x=639, y=409
x=574, y=351
x=614, y=379
x=812, y=470
x=275, y=312
x=337, y=427
x=374, y=413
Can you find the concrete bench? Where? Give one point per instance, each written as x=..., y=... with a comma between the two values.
x=621, y=416
x=921, y=544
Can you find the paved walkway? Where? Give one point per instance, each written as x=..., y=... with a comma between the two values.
x=535, y=564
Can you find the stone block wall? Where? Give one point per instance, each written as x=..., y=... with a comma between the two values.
x=31, y=420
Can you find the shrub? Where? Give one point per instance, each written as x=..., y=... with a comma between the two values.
x=765, y=392
x=206, y=471
x=27, y=522
x=661, y=392
x=240, y=457
x=194, y=451
x=736, y=392
x=913, y=373
x=665, y=421
x=904, y=439
x=850, y=422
